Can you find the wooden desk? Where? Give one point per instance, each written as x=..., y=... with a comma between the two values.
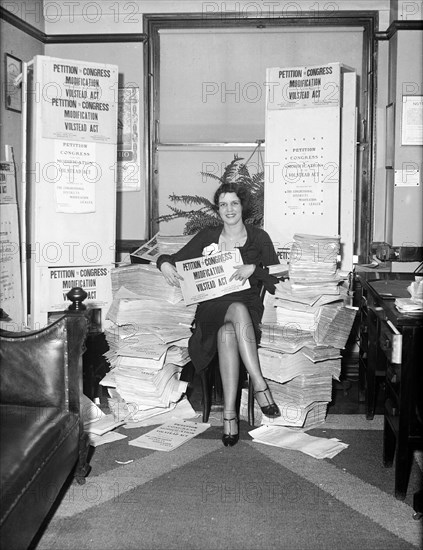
x=394, y=344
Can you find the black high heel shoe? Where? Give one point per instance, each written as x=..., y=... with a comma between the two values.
x=271, y=409
x=229, y=440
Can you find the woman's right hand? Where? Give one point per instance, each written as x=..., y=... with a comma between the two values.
x=170, y=274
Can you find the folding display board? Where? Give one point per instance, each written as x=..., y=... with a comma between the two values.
x=310, y=155
x=72, y=123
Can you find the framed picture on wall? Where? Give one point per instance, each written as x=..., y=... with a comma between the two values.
x=13, y=90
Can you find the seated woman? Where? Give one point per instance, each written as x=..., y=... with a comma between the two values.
x=230, y=324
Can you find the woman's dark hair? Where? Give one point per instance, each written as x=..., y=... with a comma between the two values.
x=240, y=191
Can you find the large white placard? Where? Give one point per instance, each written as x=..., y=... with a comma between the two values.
x=71, y=179
x=310, y=155
x=79, y=100
x=208, y=277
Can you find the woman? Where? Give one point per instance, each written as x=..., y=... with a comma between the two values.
x=230, y=324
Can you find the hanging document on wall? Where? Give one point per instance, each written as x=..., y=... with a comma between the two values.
x=10, y=265
x=305, y=155
x=72, y=180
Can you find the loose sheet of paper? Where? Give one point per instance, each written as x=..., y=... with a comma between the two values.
x=317, y=447
x=169, y=436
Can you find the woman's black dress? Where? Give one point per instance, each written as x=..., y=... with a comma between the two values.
x=209, y=317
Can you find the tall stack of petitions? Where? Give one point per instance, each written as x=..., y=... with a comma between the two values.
x=148, y=332
x=305, y=325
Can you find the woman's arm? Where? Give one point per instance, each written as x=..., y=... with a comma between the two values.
x=192, y=249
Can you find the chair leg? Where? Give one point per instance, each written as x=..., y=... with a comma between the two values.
x=250, y=402
x=82, y=467
x=205, y=387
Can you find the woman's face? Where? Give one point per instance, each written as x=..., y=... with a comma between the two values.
x=230, y=208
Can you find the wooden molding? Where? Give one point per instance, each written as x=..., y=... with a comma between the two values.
x=68, y=38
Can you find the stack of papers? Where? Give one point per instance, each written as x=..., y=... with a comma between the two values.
x=305, y=325
x=317, y=447
x=148, y=331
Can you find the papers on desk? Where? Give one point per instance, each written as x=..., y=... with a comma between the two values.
x=408, y=305
x=286, y=438
x=170, y=435
x=414, y=304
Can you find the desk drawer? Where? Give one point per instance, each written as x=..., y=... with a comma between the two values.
x=390, y=341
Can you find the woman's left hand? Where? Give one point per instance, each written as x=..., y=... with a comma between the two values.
x=243, y=272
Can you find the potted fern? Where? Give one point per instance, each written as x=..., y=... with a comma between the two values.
x=201, y=212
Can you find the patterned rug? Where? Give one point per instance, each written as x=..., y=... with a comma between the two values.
x=203, y=495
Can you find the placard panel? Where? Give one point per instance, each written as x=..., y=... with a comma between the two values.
x=72, y=171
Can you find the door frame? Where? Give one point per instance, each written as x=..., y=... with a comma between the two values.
x=366, y=136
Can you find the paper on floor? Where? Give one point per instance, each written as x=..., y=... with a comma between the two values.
x=279, y=436
x=169, y=436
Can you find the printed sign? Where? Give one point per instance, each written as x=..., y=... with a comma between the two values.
x=10, y=265
x=208, y=277
x=95, y=280
x=79, y=100
x=77, y=172
x=298, y=87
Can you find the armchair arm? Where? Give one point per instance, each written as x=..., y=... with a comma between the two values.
x=37, y=368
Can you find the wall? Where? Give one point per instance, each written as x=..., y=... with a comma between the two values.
x=24, y=47
x=109, y=16
x=406, y=201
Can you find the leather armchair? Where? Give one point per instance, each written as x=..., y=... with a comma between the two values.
x=41, y=426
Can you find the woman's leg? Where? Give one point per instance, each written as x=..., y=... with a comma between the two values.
x=238, y=317
x=227, y=348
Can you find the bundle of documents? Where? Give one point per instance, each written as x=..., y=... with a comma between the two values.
x=313, y=258
x=98, y=425
x=409, y=305
x=286, y=438
x=333, y=325
x=287, y=339
x=160, y=244
x=310, y=293
x=148, y=388
x=303, y=390
x=321, y=353
x=298, y=315
x=144, y=281
x=282, y=367
x=414, y=304
x=149, y=312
